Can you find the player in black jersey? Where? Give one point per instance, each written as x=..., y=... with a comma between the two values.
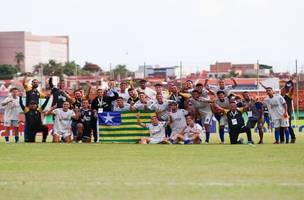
x=85, y=122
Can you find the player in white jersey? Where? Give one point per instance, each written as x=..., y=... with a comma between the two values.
x=161, y=107
x=123, y=91
x=192, y=133
x=156, y=130
x=221, y=87
x=121, y=106
x=223, y=103
x=148, y=91
x=143, y=103
x=159, y=90
x=63, y=122
x=11, y=114
x=277, y=107
x=202, y=106
x=177, y=120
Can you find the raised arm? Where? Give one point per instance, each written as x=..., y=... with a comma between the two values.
x=25, y=86
x=21, y=102
x=6, y=101
x=234, y=82
x=263, y=85
x=51, y=85
x=45, y=103
x=87, y=96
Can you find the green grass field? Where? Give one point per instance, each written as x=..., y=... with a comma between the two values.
x=125, y=171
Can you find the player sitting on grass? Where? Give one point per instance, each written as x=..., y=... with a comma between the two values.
x=191, y=134
x=177, y=120
x=156, y=130
x=11, y=114
x=63, y=122
x=33, y=123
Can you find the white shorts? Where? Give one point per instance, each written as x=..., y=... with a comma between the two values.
x=189, y=138
x=155, y=140
x=277, y=123
x=206, y=118
x=223, y=120
x=63, y=134
x=9, y=123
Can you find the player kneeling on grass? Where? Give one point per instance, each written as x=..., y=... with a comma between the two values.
x=156, y=130
x=85, y=124
x=63, y=122
x=191, y=134
x=11, y=114
x=33, y=121
x=236, y=124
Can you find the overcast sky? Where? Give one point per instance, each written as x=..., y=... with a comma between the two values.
x=196, y=32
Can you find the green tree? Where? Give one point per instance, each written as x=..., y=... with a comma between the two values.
x=19, y=58
x=71, y=68
x=91, y=67
x=121, y=72
x=233, y=74
x=7, y=71
x=58, y=69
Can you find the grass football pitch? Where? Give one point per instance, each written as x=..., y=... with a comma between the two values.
x=129, y=171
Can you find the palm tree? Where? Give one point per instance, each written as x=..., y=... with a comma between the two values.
x=19, y=57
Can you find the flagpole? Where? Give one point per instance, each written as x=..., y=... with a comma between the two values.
x=110, y=71
x=258, y=78
x=144, y=70
x=297, y=81
x=181, y=71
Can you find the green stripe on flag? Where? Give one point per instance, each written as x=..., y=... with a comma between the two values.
x=128, y=132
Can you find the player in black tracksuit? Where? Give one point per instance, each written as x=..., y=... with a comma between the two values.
x=236, y=124
x=102, y=102
x=59, y=95
x=33, y=123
